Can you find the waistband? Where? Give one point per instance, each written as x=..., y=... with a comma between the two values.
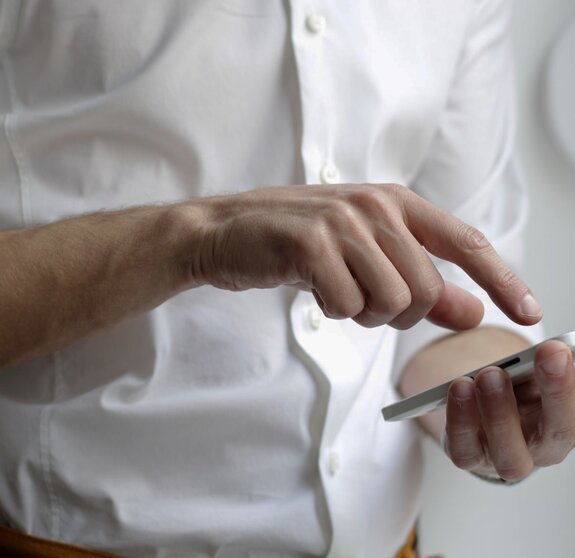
x=409, y=549
x=15, y=544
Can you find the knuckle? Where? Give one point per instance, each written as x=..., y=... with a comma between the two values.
x=348, y=309
x=506, y=280
x=399, y=302
x=471, y=239
x=336, y=312
x=367, y=319
x=549, y=463
x=365, y=197
x=548, y=460
x=467, y=462
x=341, y=307
x=398, y=191
x=315, y=242
x=389, y=307
x=430, y=293
x=416, y=305
x=343, y=217
x=404, y=323
x=374, y=201
x=343, y=212
x=563, y=436
x=457, y=430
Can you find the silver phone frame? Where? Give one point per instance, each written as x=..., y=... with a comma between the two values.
x=519, y=366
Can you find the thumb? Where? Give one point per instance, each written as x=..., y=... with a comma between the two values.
x=456, y=309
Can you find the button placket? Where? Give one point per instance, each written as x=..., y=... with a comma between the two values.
x=312, y=49
x=316, y=24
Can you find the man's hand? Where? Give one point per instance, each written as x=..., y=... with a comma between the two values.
x=491, y=430
x=358, y=248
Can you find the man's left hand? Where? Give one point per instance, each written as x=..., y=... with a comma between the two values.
x=495, y=430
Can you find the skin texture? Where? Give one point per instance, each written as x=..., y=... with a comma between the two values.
x=488, y=428
x=357, y=248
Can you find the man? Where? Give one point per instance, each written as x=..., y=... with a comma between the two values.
x=170, y=384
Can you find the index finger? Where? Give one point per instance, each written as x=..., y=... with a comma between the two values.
x=451, y=239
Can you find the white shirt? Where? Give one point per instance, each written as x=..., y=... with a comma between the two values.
x=237, y=424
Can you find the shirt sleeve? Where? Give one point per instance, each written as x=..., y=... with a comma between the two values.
x=470, y=169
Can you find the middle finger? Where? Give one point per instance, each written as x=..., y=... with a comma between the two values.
x=501, y=424
x=417, y=270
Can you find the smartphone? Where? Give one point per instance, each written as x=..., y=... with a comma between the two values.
x=519, y=367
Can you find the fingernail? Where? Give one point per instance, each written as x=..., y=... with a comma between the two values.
x=490, y=380
x=556, y=364
x=462, y=389
x=530, y=307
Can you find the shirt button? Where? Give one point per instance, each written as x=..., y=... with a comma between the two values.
x=314, y=317
x=333, y=464
x=329, y=174
x=315, y=23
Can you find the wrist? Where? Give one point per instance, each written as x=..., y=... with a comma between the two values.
x=186, y=228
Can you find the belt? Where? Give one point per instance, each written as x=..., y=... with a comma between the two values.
x=14, y=544
x=409, y=549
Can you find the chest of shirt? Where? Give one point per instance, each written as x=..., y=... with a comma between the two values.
x=137, y=102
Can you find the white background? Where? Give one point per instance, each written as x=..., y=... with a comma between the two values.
x=464, y=517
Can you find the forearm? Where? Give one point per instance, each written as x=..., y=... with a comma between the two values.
x=451, y=357
x=60, y=282
x=63, y=281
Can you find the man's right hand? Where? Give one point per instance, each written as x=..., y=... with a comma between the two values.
x=359, y=249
